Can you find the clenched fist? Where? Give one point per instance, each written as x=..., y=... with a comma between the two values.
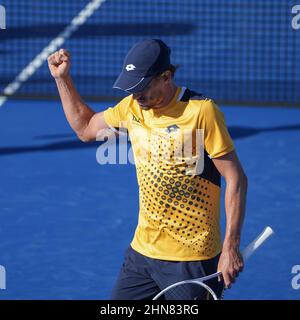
x=59, y=63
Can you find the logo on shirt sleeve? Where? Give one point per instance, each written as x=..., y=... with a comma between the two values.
x=136, y=119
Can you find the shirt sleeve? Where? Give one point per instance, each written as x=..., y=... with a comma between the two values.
x=217, y=140
x=117, y=116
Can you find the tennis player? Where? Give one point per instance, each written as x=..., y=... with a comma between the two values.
x=178, y=234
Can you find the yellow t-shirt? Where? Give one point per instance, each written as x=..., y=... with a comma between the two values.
x=179, y=186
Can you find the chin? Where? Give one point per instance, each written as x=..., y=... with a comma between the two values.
x=145, y=107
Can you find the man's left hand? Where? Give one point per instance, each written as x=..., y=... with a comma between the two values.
x=230, y=264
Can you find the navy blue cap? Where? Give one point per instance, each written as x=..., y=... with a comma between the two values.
x=144, y=60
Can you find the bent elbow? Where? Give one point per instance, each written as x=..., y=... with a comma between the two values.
x=84, y=138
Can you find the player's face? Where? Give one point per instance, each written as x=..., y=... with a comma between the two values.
x=153, y=95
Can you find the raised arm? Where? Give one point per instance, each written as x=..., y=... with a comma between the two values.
x=83, y=120
x=231, y=261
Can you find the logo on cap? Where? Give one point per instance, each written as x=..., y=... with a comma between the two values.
x=130, y=67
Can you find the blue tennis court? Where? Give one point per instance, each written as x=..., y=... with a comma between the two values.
x=66, y=220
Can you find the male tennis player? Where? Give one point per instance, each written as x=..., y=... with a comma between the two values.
x=178, y=234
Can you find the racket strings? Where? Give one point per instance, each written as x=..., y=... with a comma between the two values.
x=188, y=291
x=210, y=290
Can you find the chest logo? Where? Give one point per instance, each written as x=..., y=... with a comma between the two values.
x=172, y=128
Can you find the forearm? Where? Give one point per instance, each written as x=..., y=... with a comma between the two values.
x=231, y=262
x=235, y=203
x=77, y=112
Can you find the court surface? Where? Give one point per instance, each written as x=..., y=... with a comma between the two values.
x=65, y=220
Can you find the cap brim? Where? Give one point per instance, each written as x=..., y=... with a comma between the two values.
x=131, y=84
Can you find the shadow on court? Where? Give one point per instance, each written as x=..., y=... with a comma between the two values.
x=236, y=132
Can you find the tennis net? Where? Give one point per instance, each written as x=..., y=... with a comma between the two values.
x=231, y=50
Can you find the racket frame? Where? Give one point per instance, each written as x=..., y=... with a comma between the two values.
x=247, y=253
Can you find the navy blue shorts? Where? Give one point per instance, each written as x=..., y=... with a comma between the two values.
x=141, y=277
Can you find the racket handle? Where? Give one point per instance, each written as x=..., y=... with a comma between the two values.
x=256, y=243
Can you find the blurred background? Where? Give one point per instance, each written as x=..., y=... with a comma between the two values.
x=65, y=220
x=236, y=51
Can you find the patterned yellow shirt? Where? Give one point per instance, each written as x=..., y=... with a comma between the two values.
x=179, y=186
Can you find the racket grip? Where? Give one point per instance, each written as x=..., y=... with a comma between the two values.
x=256, y=243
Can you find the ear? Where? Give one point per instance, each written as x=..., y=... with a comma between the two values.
x=167, y=76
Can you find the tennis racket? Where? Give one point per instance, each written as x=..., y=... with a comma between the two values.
x=199, y=287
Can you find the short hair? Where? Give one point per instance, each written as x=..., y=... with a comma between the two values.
x=173, y=68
